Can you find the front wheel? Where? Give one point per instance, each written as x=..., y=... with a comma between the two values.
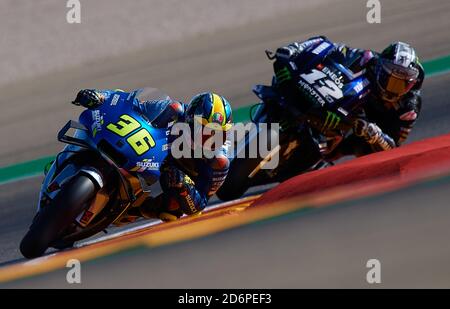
x=239, y=177
x=237, y=180
x=52, y=219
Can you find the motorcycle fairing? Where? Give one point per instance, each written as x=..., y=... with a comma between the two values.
x=152, y=143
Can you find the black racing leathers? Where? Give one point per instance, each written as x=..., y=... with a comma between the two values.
x=394, y=120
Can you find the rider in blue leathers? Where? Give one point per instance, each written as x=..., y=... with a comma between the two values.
x=187, y=183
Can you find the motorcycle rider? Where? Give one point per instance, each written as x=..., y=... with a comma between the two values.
x=187, y=183
x=393, y=104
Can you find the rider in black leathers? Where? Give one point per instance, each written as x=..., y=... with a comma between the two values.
x=392, y=106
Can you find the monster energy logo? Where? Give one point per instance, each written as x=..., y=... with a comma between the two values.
x=331, y=122
x=283, y=75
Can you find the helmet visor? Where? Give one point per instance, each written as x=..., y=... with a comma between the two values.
x=210, y=136
x=396, y=80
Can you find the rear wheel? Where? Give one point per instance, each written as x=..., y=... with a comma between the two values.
x=55, y=217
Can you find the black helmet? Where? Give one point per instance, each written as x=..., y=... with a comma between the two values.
x=397, y=71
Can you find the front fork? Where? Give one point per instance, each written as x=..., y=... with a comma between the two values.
x=69, y=164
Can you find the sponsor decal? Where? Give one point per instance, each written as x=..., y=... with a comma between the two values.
x=217, y=118
x=86, y=217
x=343, y=111
x=115, y=99
x=319, y=49
x=145, y=165
x=191, y=203
x=361, y=88
x=311, y=92
x=327, y=83
x=331, y=122
x=283, y=75
x=337, y=79
x=97, y=122
x=293, y=66
x=358, y=87
x=188, y=180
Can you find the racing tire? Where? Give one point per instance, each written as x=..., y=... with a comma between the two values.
x=237, y=181
x=51, y=220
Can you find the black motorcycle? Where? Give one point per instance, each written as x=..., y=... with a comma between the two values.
x=302, y=141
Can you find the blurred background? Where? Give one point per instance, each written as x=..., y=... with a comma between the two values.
x=184, y=47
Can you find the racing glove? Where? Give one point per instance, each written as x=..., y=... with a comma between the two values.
x=89, y=98
x=373, y=135
x=295, y=48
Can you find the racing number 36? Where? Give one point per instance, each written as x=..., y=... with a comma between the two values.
x=141, y=141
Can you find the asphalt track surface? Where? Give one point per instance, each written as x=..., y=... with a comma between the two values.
x=325, y=248
x=230, y=62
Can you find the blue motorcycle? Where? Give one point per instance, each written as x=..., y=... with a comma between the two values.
x=110, y=164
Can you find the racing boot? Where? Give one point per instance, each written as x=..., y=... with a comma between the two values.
x=160, y=207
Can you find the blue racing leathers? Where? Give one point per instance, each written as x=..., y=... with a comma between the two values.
x=187, y=183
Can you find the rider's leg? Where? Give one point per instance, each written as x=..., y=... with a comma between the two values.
x=352, y=145
x=181, y=190
x=180, y=197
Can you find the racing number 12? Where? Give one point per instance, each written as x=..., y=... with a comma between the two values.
x=330, y=89
x=141, y=141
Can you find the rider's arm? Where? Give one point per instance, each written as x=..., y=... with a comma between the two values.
x=212, y=174
x=397, y=132
x=295, y=48
x=373, y=135
x=162, y=112
x=409, y=110
x=219, y=171
x=356, y=59
x=92, y=98
x=408, y=114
